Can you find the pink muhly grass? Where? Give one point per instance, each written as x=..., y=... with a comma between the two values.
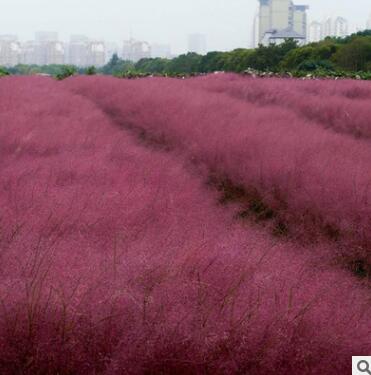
x=316, y=181
x=115, y=258
x=345, y=110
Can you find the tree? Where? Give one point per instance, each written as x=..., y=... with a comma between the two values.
x=354, y=56
x=91, y=70
x=117, y=66
x=269, y=58
x=3, y=72
x=238, y=60
x=212, y=61
x=185, y=64
x=156, y=65
x=296, y=57
x=65, y=72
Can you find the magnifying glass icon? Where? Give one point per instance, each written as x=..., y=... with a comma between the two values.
x=364, y=366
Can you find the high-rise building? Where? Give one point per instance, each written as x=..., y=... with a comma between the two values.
x=8, y=38
x=54, y=53
x=255, y=32
x=78, y=38
x=135, y=50
x=264, y=18
x=111, y=49
x=28, y=53
x=327, y=28
x=78, y=50
x=197, y=43
x=46, y=53
x=281, y=14
x=368, y=23
x=280, y=20
x=96, y=53
x=46, y=36
x=46, y=49
x=161, y=50
x=299, y=19
x=10, y=50
x=315, y=31
x=340, y=27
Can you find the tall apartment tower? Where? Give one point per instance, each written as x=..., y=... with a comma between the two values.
x=300, y=24
x=368, y=23
x=96, y=53
x=197, y=43
x=283, y=18
x=327, y=28
x=46, y=36
x=161, y=50
x=255, y=32
x=315, y=31
x=264, y=18
x=135, y=50
x=78, y=50
x=341, y=27
x=10, y=50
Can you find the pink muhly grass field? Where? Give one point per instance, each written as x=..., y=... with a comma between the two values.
x=116, y=257
x=316, y=181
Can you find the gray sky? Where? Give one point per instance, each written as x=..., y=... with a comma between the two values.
x=227, y=23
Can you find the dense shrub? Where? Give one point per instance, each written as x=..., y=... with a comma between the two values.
x=3, y=72
x=66, y=71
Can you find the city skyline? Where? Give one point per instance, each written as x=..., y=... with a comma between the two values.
x=227, y=25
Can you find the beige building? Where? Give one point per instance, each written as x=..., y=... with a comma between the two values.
x=315, y=31
x=264, y=18
x=255, y=32
x=96, y=54
x=78, y=50
x=282, y=18
x=368, y=23
x=10, y=50
x=340, y=27
x=327, y=28
x=53, y=53
x=161, y=50
x=281, y=14
x=28, y=53
x=197, y=43
x=134, y=50
x=299, y=22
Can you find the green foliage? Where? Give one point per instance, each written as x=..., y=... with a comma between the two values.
x=65, y=72
x=355, y=55
x=3, y=72
x=333, y=57
x=117, y=66
x=269, y=58
x=262, y=58
x=313, y=65
x=237, y=60
x=91, y=70
x=185, y=64
x=52, y=70
x=152, y=66
x=213, y=61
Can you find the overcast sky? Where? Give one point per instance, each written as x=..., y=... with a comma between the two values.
x=227, y=23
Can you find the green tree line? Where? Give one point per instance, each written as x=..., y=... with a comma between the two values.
x=332, y=55
x=351, y=54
